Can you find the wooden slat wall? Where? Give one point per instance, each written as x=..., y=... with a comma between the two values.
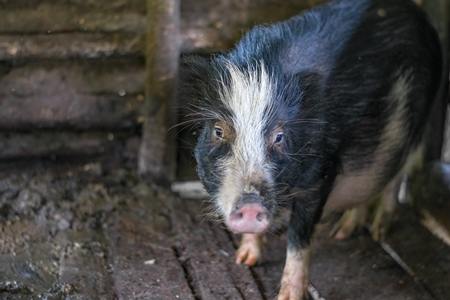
x=79, y=64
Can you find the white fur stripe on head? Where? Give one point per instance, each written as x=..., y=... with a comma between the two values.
x=249, y=97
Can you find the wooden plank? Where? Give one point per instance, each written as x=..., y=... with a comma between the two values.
x=84, y=77
x=143, y=269
x=41, y=144
x=79, y=95
x=208, y=256
x=57, y=46
x=189, y=190
x=145, y=264
x=17, y=48
x=107, y=5
x=94, y=112
x=69, y=18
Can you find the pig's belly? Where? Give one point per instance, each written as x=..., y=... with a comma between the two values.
x=350, y=190
x=353, y=188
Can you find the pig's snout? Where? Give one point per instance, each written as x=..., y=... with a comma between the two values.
x=249, y=216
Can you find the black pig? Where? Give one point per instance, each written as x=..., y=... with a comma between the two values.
x=313, y=114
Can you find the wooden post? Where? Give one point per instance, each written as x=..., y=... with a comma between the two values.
x=157, y=153
x=429, y=186
x=438, y=13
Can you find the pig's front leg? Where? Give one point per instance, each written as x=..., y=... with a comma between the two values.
x=249, y=251
x=294, y=283
x=305, y=214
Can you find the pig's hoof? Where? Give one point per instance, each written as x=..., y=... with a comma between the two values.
x=380, y=226
x=287, y=295
x=293, y=291
x=384, y=210
x=350, y=220
x=249, y=251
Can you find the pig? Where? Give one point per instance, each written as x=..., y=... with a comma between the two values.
x=323, y=112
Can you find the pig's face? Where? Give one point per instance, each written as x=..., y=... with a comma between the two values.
x=248, y=152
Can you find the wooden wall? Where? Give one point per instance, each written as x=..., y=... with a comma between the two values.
x=72, y=73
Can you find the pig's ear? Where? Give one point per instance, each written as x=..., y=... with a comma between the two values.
x=194, y=78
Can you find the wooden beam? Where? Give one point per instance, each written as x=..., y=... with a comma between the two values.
x=438, y=13
x=72, y=95
x=157, y=155
x=49, y=144
x=59, y=17
x=19, y=48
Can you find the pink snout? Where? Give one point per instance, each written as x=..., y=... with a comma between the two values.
x=249, y=218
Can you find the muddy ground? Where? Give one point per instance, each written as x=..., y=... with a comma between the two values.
x=96, y=230
x=48, y=219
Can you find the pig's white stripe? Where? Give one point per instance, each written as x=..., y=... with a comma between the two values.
x=249, y=97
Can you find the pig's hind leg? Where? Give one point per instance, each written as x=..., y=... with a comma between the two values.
x=376, y=214
x=351, y=220
x=383, y=211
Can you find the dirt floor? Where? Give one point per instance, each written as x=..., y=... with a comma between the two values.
x=95, y=231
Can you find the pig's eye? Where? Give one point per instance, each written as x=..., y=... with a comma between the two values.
x=278, y=138
x=218, y=132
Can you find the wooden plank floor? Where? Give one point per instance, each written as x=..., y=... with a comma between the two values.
x=88, y=233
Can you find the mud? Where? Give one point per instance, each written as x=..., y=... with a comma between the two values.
x=49, y=219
